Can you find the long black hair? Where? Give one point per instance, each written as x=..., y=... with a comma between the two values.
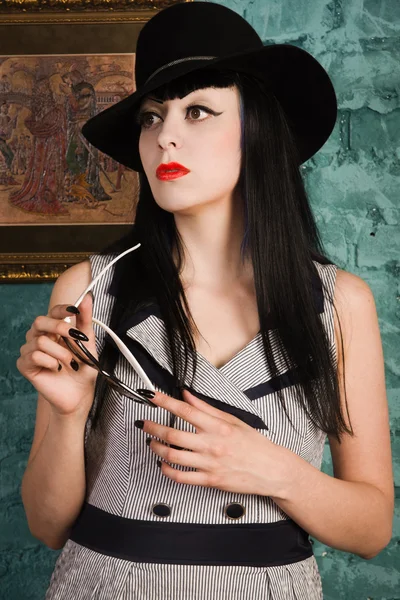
x=281, y=237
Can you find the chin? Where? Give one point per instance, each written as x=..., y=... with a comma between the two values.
x=183, y=207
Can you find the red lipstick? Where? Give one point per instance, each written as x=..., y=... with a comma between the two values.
x=172, y=170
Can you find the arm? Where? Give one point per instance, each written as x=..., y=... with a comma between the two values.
x=352, y=511
x=53, y=485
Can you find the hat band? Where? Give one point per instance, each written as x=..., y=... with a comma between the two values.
x=175, y=62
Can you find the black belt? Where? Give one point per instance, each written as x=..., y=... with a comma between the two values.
x=258, y=545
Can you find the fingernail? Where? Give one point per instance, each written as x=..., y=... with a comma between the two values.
x=74, y=365
x=159, y=463
x=146, y=393
x=78, y=335
x=139, y=424
x=148, y=440
x=59, y=366
x=73, y=309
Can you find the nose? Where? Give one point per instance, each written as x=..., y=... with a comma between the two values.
x=169, y=134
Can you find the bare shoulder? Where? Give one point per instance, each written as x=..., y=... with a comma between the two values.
x=351, y=284
x=79, y=271
x=356, y=322
x=71, y=283
x=355, y=304
x=352, y=291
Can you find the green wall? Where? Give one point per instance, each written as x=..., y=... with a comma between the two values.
x=354, y=188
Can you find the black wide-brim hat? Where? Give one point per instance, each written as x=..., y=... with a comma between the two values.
x=196, y=35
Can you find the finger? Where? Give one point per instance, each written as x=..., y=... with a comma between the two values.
x=59, y=311
x=176, y=437
x=198, y=418
x=44, y=344
x=48, y=325
x=180, y=457
x=38, y=359
x=84, y=319
x=190, y=477
x=207, y=408
x=31, y=335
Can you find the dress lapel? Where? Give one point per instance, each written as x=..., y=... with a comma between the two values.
x=233, y=387
x=149, y=331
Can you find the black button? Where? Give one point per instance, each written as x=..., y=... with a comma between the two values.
x=161, y=510
x=234, y=510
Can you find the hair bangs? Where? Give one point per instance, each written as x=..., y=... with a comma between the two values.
x=195, y=80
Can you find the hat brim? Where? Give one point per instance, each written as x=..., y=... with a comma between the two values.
x=299, y=82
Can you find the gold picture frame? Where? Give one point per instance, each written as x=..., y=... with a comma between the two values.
x=40, y=252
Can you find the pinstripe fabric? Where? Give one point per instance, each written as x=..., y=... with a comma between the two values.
x=123, y=479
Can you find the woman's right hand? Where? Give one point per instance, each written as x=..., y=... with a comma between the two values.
x=67, y=391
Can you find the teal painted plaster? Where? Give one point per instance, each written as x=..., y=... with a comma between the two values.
x=354, y=186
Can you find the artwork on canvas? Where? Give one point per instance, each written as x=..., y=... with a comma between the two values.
x=49, y=173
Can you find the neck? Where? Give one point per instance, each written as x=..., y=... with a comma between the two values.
x=211, y=247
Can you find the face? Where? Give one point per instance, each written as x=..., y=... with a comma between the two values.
x=84, y=97
x=202, y=133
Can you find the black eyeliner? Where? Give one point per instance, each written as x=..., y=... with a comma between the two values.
x=205, y=108
x=140, y=114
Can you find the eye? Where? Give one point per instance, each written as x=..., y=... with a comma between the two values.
x=145, y=119
x=196, y=109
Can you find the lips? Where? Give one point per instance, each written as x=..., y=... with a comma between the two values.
x=169, y=171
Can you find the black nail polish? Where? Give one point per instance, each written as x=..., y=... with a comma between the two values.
x=78, y=335
x=59, y=366
x=146, y=393
x=148, y=440
x=159, y=463
x=73, y=310
x=74, y=365
x=139, y=423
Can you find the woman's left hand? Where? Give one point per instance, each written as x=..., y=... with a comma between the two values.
x=227, y=453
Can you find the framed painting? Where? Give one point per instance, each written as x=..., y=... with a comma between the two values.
x=62, y=62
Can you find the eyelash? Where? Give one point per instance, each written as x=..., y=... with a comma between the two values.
x=141, y=116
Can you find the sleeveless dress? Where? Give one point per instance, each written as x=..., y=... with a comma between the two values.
x=123, y=478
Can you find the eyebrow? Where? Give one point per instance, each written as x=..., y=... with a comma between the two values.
x=200, y=99
x=155, y=100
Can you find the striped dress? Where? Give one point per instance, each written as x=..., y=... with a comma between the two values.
x=124, y=482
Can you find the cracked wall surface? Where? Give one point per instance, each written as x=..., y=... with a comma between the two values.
x=354, y=186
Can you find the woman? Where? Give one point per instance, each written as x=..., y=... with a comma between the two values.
x=43, y=185
x=211, y=487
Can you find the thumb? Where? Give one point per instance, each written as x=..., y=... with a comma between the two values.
x=84, y=319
